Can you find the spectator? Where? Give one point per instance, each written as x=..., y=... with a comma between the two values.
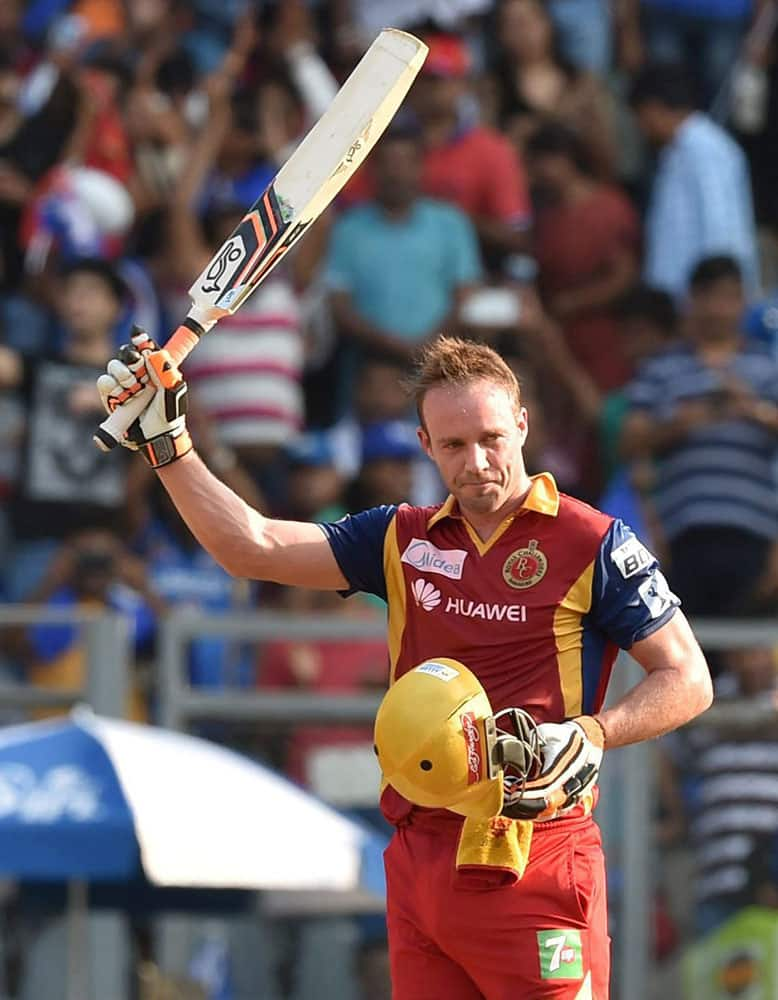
x=92, y=570
x=728, y=777
x=181, y=574
x=706, y=412
x=704, y=35
x=379, y=397
x=65, y=484
x=585, y=29
x=701, y=199
x=648, y=324
x=535, y=82
x=433, y=254
x=314, y=483
x=29, y=145
x=466, y=163
x=586, y=245
x=388, y=453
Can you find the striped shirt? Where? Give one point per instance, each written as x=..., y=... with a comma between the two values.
x=732, y=792
x=246, y=373
x=700, y=205
x=723, y=473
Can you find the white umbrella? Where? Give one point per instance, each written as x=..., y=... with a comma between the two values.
x=84, y=796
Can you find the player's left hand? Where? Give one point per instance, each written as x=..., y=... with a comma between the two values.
x=571, y=754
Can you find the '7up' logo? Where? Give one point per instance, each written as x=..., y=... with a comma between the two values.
x=560, y=954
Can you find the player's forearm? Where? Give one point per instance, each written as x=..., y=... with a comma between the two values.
x=226, y=526
x=664, y=700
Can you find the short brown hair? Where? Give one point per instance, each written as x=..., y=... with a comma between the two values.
x=456, y=362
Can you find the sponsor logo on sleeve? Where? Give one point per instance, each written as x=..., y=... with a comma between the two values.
x=630, y=557
x=656, y=595
x=423, y=555
x=440, y=670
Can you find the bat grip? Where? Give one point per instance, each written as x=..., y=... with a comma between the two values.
x=113, y=428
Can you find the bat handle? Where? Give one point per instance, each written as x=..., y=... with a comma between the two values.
x=113, y=428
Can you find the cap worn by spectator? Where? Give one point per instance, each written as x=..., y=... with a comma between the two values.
x=311, y=449
x=392, y=439
x=448, y=57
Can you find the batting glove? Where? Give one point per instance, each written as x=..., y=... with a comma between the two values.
x=571, y=754
x=160, y=433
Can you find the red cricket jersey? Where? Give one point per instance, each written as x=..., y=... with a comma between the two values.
x=537, y=612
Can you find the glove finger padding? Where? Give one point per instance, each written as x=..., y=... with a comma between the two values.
x=571, y=755
x=160, y=432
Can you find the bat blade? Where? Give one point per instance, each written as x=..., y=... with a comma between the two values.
x=312, y=177
x=305, y=185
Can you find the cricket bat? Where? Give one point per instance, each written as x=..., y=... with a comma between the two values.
x=304, y=186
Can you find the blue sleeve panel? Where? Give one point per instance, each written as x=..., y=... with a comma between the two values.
x=357, y=542
x=631, y=598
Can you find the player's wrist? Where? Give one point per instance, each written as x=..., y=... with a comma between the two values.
x=167, y=448
x=593, y=730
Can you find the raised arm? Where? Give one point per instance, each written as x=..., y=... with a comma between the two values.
x=243, y=541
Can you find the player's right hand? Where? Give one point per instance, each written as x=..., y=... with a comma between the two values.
x=571, y=754
x=160, y=432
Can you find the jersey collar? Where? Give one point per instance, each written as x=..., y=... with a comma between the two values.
x=543, y=498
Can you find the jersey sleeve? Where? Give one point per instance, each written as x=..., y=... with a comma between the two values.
x=357, y=542
x=631, y=598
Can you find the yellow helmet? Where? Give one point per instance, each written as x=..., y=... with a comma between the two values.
x=439, y=745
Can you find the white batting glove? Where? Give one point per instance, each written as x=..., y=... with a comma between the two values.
x=160, y=432
x=571, y=755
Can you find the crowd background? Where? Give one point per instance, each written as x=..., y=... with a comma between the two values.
x=588, y=185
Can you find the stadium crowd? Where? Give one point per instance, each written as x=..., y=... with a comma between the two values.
x=588, y=186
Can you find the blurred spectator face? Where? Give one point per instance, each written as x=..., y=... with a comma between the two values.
x=387, y=480
x=551, y=173
x=311, y=488
x=89, y=305
x=435, y=97
x=388, y=451
x=379, y=392
x=443, y=80
x=715, y=311
x=656, y=122
x=94, y=564
x=525, y=31
x=146, y=15
x=397, y=165
x=642, y=339
x=754, y=669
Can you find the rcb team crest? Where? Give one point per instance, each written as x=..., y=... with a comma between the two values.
x=525, y=567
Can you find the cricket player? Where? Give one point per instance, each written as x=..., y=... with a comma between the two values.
x=530, y=589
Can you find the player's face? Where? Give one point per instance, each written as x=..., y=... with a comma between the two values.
x=474, y=435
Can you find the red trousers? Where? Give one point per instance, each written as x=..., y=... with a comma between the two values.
x=543, y=938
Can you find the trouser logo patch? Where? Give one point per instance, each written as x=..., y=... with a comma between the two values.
x=560, y=954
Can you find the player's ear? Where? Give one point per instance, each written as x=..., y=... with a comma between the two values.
x=424, y=441
x=522, y=422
